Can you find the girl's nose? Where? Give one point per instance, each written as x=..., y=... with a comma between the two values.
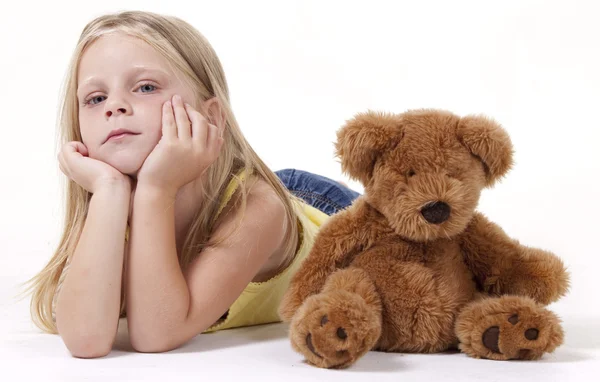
x=121, y=110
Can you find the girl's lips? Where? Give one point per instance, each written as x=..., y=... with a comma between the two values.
x=120, y=136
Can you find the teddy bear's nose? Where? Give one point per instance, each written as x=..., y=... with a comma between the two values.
x=436, y=213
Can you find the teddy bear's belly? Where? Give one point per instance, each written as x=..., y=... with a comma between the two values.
x=421, y=299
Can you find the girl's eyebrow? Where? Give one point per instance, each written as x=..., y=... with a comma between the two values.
x=133, y=72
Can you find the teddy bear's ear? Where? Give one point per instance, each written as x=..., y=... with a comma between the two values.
x=363, y=139
x=488, y=141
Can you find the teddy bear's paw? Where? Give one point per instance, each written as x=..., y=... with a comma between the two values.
x=508, y=327
x=289, y=304
x=334, y=329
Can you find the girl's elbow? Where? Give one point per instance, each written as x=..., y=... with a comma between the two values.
x=89, y=346
x=152, y=346
x=151, y=343
x=157, y=339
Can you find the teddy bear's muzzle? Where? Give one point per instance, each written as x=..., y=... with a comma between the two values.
x=436, y=212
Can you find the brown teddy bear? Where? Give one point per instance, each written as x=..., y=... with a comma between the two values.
x=410, y=266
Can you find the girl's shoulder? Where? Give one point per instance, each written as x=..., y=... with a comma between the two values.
x=262, y=202
x=253, y=232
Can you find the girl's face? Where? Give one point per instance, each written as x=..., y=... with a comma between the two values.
x=122, y=84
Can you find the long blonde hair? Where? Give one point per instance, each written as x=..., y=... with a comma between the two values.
x=193, y=57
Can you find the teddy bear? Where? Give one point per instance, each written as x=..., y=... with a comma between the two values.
x=411, y=266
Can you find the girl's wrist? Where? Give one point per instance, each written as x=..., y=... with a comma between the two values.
x=113, y=185
x=147, y=191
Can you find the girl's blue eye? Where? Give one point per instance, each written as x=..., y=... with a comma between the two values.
x=150, y=85
x=145, y=85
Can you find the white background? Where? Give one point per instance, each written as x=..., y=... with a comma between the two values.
x=297, y=70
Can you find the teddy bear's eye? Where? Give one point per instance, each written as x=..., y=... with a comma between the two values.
x=411, y=172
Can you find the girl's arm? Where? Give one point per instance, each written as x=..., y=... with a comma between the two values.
x=166, y=307
x=88, y=304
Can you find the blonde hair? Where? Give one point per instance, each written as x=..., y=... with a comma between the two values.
x=193, y=57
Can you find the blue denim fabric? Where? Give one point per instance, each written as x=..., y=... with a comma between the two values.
x=318, y=191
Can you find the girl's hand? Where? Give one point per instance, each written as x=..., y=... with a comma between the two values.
x=185, y=150
x=91, y=174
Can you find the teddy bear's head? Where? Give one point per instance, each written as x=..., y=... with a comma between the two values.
x=424, y=169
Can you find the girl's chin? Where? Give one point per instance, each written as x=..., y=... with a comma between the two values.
x=129, y=167
x=128, y=161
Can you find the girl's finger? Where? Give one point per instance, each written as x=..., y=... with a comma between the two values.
x=82, y=149
x=72, y=148
x=181, y=118
x=169, y=129
x=199, y=125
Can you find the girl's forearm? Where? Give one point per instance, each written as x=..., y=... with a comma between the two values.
x=157, y=293
x=88, y=304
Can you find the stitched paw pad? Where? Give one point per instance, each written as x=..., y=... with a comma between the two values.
x=508, y=328
x=334, y=329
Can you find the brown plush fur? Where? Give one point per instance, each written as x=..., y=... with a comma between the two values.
x=396, y=272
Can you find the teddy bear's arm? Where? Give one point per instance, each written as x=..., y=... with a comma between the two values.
x=337, y=243
x=502, y=265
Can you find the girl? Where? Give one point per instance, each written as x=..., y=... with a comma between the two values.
x=171, y=216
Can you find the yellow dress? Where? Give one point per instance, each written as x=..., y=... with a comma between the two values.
x=259, y=302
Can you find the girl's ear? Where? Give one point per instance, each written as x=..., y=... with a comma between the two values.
x=214, y=112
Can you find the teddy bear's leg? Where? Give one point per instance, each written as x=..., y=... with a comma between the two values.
x=334, y=328
x=508, y=327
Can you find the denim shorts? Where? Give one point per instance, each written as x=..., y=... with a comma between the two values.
x=318, y=191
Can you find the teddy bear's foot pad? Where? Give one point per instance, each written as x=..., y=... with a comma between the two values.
x=508, y=327
x=334, y=329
